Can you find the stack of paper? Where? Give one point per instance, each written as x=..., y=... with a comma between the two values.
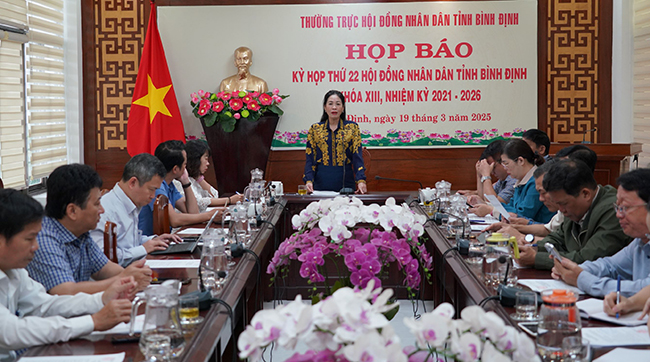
x=538, y=285
x=117, y=357
x=617, y=336
x=625, y=354
x=172, y=263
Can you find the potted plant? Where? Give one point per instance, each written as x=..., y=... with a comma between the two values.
x=243, y=141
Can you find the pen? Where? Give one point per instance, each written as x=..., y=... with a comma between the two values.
x=618, y=292
x=533, y=245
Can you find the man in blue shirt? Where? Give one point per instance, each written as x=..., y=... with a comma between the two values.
x=142, y=176
x=28, y=315
x=173, y=156
x=632, y=263
x=67, y=258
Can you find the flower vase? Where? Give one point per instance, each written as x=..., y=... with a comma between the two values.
x=235, y=153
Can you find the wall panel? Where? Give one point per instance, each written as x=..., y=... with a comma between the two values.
x=574, y=48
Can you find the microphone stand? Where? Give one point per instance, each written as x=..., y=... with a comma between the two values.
x=345, y=190
x=585, y=134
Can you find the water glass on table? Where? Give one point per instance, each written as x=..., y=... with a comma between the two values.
x=576, y=349
x=525, y=307
x=157, y=348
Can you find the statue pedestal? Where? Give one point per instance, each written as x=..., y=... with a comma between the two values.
x=236, y=153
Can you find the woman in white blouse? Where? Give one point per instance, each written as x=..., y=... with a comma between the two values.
x=198, y=154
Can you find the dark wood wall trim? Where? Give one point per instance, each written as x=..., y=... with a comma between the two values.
x=109, y=159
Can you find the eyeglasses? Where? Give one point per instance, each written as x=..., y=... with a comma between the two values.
x=623, y=209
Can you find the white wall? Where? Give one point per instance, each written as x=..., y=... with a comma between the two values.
x=622, y=71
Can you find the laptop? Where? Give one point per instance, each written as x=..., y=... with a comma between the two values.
x=188, y=245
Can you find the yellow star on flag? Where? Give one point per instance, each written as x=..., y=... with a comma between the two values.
x=154, y=100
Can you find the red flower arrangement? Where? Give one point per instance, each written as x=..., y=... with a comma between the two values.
x=227, y=108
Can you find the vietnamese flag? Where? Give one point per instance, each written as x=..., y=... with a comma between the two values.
x=154, y=116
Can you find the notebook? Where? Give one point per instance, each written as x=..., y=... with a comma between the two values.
x=593, y=308
x=188, y=245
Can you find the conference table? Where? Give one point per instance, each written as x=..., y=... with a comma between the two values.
x=454, y=281
x=211, y=340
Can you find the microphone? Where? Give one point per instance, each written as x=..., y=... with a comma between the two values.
x=585, y=134
x=398, y=179
x=220, y=274
x=438, y=218
x=507, y=294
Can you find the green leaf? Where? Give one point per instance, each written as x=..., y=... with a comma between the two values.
x=337, y=285
x=210, y=119
x=228, y=125
x=315, y=298
x=254, y=116
x=391, y=313
x=224, y=117
x=275, y=109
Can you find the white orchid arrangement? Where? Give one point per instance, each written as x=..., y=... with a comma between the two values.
x=349, y=326
x=335, y=217
x=344, y=230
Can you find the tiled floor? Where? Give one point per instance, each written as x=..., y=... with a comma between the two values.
x=405, y=310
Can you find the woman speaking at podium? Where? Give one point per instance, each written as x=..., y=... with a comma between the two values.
x=333, y=152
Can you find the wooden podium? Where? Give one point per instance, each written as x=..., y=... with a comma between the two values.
x=236, y=153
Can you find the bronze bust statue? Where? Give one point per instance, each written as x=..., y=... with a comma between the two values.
x=243, y=80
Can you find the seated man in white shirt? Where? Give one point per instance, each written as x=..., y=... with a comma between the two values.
x=142, y=176
x=67, y=260
x=632, y=263
x=28, y=315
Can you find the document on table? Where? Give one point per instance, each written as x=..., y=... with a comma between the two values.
x=172, y=263
x=625, y=354
x=325, y=193
x=498, y=206
x=116, y=357
x=537, y=285
x=485, y=220
x=478, y=227
x=190, y=231
x=616, y=336
x=593, y=308
x=123, y=328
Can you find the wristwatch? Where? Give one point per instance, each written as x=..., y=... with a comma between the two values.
x=485, y=178
x=529, y=238
x=186, y=185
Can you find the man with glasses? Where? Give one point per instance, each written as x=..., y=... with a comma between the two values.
x=632, y=263
x=590, y=229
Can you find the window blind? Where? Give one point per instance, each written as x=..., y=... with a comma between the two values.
x=642, y=78
x=12, y=87
x=45, y=91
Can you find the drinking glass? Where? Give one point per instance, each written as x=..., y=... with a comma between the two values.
x=189, y=310
x=302, y=190
x=576, y=349
x=157, y=348
x=525, y=307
